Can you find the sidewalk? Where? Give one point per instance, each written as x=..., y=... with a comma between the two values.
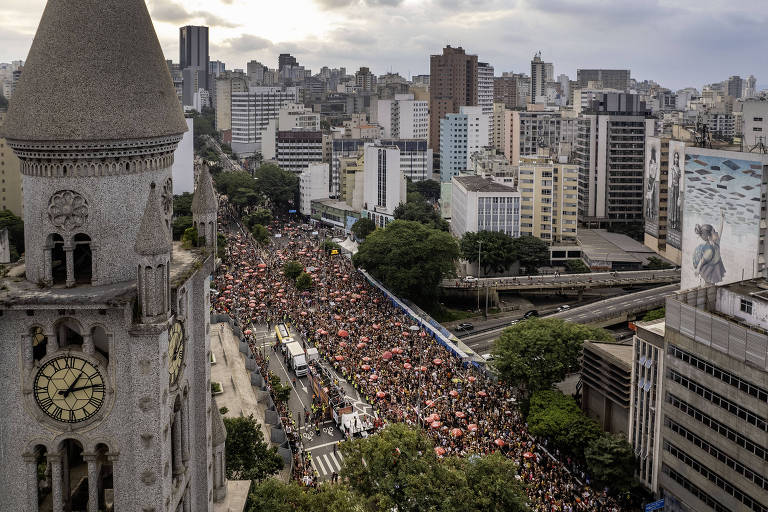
x=238, y=396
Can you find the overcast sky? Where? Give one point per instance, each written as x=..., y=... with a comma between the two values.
x=678, y=43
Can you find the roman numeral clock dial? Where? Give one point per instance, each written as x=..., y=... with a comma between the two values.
x=69, y=389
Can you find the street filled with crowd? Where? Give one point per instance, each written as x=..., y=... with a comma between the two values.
x=406, y=374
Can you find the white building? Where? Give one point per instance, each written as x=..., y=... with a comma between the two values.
x=293, y=116
x=755, y=115
x=385, y=185
x=251, y=112
x=481, y=204
x=485, y=90
x=403, y=117
x=298, y=149
x=461, y=135
x=201, y=99
x=313, y=184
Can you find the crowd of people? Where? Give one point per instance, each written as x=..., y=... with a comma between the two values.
x=401, y=370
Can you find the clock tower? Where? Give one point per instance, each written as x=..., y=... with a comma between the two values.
x=106, y=399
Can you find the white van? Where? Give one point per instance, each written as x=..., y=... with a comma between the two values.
x=298, y=358
x=312, y=354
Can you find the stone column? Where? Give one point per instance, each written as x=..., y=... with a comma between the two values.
x=185, y=429
x=69, y=251
x=27, y=351
x=47, y=270
x=54, y=460
x=88, y=347
x=52, y=345
x=176, y=439
x=30, y=461
x=93, y=481
x=215, y=470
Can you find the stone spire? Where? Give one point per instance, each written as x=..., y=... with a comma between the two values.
x=152, y=238
x=204, y=200
x=95, y=72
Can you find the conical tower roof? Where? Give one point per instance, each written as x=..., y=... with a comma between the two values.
x=204, y=200
x=95, y=72
x=152, y=237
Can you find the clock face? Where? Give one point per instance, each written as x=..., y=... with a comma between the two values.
x=69, y=389
x=175, y=351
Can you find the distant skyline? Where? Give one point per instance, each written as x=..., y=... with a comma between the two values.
x=678, y=43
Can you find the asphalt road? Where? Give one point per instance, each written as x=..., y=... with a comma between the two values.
x=606, y=278
x=325, y=459
x=482, y=342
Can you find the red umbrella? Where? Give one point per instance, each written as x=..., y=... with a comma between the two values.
x=262, y=305
x=460, y=414
x=423, y=334
x=499, y=442
x=366, y=359
x=430, y=403
x=343, y=333
x=407, y=366
x=365, y=339
x=397, y=324
x=352, y=319
x=453, y=393
x=440, y=451
x=435, y=424
x=528, y=455
x=342, y=344
x=397, y=350
x=386, y=355
x=303, y=313
x=373, y=377
x=361, y=345
x=376, y=326
x=366, y=367
x=456, y=432
x=380, y=394
x=262, y=265
x=339, y=358
x=337, y=317
x=423, y=368
x=405, y=334
x=438, y=361
x=472, y=427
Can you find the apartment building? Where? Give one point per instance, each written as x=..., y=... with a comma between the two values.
x=528, y=131
x=10, y=177
x=251, y=112
x=402, y=117
x=482, y=204
x=452, y=84
x=298, y=149
x=461, y=135
x=384, y=184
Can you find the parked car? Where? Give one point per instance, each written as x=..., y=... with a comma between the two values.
x=470, y=279
x=564, y=307
x=466, y=326
x=530, y=314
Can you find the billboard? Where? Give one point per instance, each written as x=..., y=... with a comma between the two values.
x=721, y=217
x=675, y=193
x=651, y=185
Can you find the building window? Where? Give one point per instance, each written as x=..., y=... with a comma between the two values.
x=746, y=306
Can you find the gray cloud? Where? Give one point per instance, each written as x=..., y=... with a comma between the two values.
x=244, y=44
x=339, y=4
x=171, y=12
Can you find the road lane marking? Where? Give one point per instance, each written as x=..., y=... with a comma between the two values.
x=322, y=471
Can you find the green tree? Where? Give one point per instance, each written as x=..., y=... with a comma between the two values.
x=260, y=234
x=221, y=244
x=409, y=258
x=303, y=282
x=656, y=263
x=292, y=269
x=536, y=353
x=15, y=227
x=363, y=227
x=611, y=461
x=272, y=495
x=497, y=250
x=492, y=483
x=259, y=216
x=180, y=225
x=419, y=210
x=655, y=314
x=248, y=456
x=532, y=253
x=576, y=267
x=558, y=417
x=182, y=205
x=190, y=238
x=429, y=189
x=281, y=391
x=277, y=185
x=240, y=187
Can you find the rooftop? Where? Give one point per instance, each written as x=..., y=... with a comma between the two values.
x=599, y=244
x=619, y=353
x=480, y=184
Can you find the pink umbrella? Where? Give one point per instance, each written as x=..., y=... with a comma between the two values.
x=337, y=317
x=386, y=355
x=430, y=403
x=440, y=451
x=247, y=332
x=343, y=333
x=423, y=334
x=435, y=424
x=453, y=393
x=342, y=344
x=361, y=345
x=397, y=324
x=471, y=379
x=472, y=427
x=499, y=442
x=456, y=432
x=437, y=361
x=339, y=358
x=433, y=417
x=380, y=394
x=404, y=334
x=407, y=366
x=303, y=313
x=366, y=367
x=352, y=319
x=528, y=455
x=365, y=339
x=373, y=377
x=376, y=326
x=366, y=359
x=460, y=414
x=423, y=368
x=262, y=265
x=482, y=393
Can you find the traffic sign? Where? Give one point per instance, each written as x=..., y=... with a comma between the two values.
x=656, y=505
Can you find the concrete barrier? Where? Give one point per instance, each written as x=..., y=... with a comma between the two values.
x=271, y=418
x=244, y=348
x=287, y=456
x=257, y=380
x=250, y=365
x=277, y=434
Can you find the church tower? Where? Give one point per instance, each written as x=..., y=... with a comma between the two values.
x=104, y=328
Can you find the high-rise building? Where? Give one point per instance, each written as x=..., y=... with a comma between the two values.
x=108, y=377
x=485, y=89
x=286, y=59
x=750, y=84
x=461, y=135
x=216, y=67
x=293, y=116
x=10, y=176
x=505, y=90
x=538, y=77
x=384, y=184
x=755, y=116
x=365, y=80
x=452, y=84
x=313, y=185
x=193, y=51
x=531, y=130
x=298, y=149
x=610, y=149
x=403, y=117
x=734, y=86
x=714, y=424
x=610, y=78
x=251, y=112
x=227, y=83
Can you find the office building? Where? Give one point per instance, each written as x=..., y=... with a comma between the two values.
x=293, y=116
x=485, y=89
x=750, y=87
x=609, y=78
x=505, y=90
x=482, y=204
x=313, y=185
x=609, y=149
x=538, y=79
x=193, y=79
x=193, y=52
x=402, y=117
x=251, y=112
x=500, y=126
x=646, y=399
x=365, y=80
x=286, y=60
x=606, y=381
x=461, y=135
x=226, y=84
x=215, y=68
x=384, y=184
x=714, y=433
x=452, y=84
x=549, y=198
x=10, y=176
x=297, y=149
x=734, y=86
x=531, y=130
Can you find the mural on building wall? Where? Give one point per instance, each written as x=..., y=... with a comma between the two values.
x=721, y=218
x=675, y=189
x=651, y=188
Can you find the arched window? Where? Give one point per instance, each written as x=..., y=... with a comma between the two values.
x=74, y=488
x=58, y=259
x=83, y=259
x=43, y=477
x=104, y=483
x=68, y=333
x=39, y=343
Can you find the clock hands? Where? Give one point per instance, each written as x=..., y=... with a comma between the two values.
x=83, y=387
x=71, y=386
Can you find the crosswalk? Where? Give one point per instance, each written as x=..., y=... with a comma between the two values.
x=327, y=463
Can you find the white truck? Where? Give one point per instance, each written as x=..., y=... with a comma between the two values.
x=298, y=358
